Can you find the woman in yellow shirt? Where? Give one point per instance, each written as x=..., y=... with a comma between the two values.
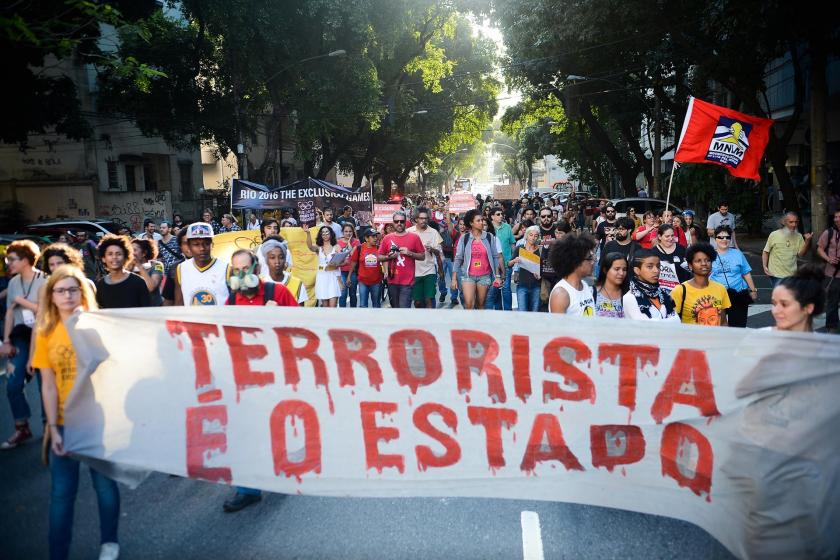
x=67, y=291
x=701, y=301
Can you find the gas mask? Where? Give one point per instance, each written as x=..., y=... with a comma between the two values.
x=244, y=279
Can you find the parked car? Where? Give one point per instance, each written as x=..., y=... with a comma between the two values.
x=51, y=230
x=641, y=205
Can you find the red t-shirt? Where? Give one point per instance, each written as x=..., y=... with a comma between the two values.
x=401, y=269
x=367, y=265
x=680, y=235
x=342, y=244
x=282, y=296
x=648, y=240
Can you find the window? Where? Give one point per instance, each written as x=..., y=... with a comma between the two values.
x=185, y=171
x=130, y=178
x=113, y=177
x=150, y=177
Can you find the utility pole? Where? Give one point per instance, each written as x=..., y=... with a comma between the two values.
x=657, y=148
x=819, y=93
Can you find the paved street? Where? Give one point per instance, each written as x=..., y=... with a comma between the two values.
x=169, y=517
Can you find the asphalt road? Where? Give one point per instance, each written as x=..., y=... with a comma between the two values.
x=168, y=517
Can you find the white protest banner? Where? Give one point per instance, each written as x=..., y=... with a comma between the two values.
x=734, y=430
x=460, y=202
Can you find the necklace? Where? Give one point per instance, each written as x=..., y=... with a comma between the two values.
x=604, y=291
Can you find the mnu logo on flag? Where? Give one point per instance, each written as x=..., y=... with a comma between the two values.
x=730, y=142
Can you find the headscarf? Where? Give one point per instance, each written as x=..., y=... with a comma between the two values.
x=644, y=292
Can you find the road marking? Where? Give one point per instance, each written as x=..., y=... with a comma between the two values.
x=755, y=309
x=532, y=548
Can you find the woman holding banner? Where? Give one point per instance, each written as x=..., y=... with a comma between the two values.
x=528, y=281
x=67, y=291
x=328, y=282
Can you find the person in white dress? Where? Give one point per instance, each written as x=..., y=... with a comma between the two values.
x=328, y=282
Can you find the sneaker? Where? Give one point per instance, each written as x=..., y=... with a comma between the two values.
x=22, y=433
x=442, y=298
x=240, y=501
x=109, y=551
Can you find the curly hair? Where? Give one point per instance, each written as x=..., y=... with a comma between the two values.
x=121, y=241
x=319, y=241
x=570, y=251
x=149, y=247
x=469, y=217
x=700, y=247
x=25, y=249
x=65, y=252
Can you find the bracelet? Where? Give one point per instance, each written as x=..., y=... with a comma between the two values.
x=52, y=425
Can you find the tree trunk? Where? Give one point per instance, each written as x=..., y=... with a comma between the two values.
x=624, y=169
x=819, y=96
x=778, y=157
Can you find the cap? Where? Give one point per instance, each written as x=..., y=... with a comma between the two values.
x=368, y=232
x=200, y=230
x=688, y=213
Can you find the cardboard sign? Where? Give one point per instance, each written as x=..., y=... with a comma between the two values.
x=384, y=213
x=461, y=202
x=734, y=430
x=506, y=192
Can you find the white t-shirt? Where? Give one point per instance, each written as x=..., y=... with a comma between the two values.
x=432, y=238
x=717, y=219
x=581, y=302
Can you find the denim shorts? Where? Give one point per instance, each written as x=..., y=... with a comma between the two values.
x=483, y=280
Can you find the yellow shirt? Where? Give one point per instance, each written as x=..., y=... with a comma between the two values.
x=783, y=249
x=55, y=351
x=702, y=307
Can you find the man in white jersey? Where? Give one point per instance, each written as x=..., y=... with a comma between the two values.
x=572, y=258
x=201, y=280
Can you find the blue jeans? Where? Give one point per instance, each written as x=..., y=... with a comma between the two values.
x=528, y=298
x=64, y=473
x=400, y=296
x=373, y=292
x=443, y=283
x=349, y=287
x=17, y=381
x=501, y=299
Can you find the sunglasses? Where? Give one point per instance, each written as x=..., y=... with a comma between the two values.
x=546, y=216
x=722, y=237
x=399, y=221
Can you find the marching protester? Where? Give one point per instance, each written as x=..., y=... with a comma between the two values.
x=721, y=218
x=149, y=231
x=646, y=234
x=479, y=262
x=693, y=232
x=797, y=299
x=67, y=291
x=207, y=217
x=328, y=282
x=828, y=247
x=268, y=229
x=229, y=224
x=731, y=269
x=167, y=292
x=119, y=287
x=548, y=234
x=428, y=269
x=59, y=254
x=87, y=248
x=631, y=213
x=348, y=243
x=502, y=298
x=447, y=248
x=527, y=219
x=400, y=249
x=572, y=259
x=611, y=285
x=201, y=279
x=274, y=251
x=672, y=264
x=782, y=249
x=623, y=242
x=22, y=304
x=527, y=282
x=606, y=226
x=365, y=264
x=327, y=216
x=701, y=301
x=679, y=228
x=149, y=269
x=168, y=250
x=645, y=299
x=347, y=217
x=253, y=223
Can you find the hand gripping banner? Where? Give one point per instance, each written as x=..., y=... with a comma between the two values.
x=735, y=430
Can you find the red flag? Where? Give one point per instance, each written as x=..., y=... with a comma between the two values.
x=721, y=136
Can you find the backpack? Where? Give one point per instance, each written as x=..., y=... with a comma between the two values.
x=268, y=294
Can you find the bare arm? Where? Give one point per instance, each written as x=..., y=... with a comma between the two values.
x=765, y=256
x=558, y=302
x=179, y=297
x=49, y=393
x=805, y=245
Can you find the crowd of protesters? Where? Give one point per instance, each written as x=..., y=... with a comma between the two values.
x=554, y=258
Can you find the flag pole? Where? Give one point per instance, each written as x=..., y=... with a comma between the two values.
x=670, y=181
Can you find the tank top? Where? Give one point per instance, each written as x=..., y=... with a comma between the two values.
x=581, y=303
x=206, y=286
x=606, y=307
